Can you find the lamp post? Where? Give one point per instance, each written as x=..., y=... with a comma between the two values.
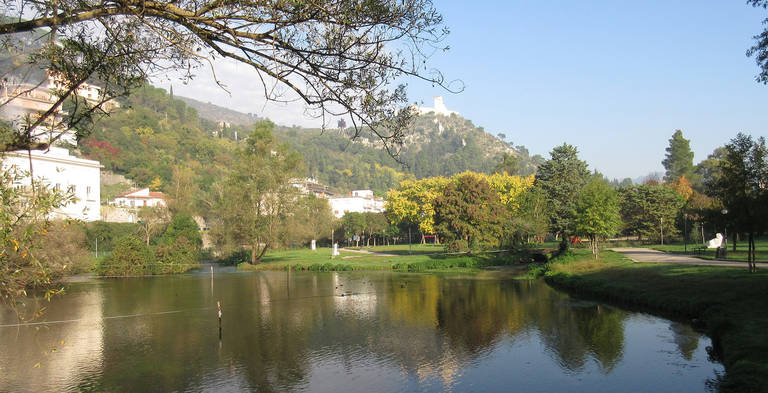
x=685, y=233
x=725, y=233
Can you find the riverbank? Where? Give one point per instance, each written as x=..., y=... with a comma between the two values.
x=389, y=258
x=730, y=304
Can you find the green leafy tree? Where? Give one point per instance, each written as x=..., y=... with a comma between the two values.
x=376, y=225
x=469, y=213
x=340, y=58
x=741, y=186
x=679, y=158
x=562, y=177
x=760, y=49
x=256, y=200
x=353, y=224
x=650, y=211
x=152, y=221
x=597, y=212
x=131, y=257
x=531, y=221
x=509, y=164
x=25, y=221
x=182, y=225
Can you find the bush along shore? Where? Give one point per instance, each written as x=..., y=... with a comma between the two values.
x=729, y=304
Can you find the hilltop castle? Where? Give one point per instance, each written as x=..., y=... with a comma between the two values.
x=438, y=109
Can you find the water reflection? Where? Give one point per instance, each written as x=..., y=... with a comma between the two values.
x=342, y=332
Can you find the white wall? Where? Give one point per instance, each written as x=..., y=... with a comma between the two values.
x=59, y=169
x=340, y=206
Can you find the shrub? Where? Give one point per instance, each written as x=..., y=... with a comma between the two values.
x=177, y=257
x=130, y=257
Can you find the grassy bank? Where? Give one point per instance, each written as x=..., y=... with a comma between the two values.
x=761, y=250
x=729, y=303
x=399, y=259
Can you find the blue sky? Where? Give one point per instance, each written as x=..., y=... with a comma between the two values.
x=613, y=78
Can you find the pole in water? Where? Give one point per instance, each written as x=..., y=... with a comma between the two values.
x=211, y=270
x=218, y=306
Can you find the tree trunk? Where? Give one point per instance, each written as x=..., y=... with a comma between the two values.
x=253, y=254
x=263, y=251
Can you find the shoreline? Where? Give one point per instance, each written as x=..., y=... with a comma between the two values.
x=725, y=303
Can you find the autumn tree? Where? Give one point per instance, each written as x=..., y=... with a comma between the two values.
x=341, y=58
x=413, y=203
x=254, y=202
x=561, y=178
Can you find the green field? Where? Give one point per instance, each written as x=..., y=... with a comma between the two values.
x=761, y=250
x=423, y=258
x=730, y=304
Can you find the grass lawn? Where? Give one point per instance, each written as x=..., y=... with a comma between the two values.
x=761, y=250
x=320, y=260
x=729, y=303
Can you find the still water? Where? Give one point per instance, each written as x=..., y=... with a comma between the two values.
x=389, y=332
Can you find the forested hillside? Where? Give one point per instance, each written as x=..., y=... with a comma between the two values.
x=154, y=132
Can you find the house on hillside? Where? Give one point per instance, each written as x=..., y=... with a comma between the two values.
x=22, y=102
x=140, y=198
x=62, y=171
x=311, y=186
x=360, y=201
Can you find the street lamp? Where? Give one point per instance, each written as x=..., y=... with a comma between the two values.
x=725, y=233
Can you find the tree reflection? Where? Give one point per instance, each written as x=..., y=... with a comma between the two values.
x=280, y=330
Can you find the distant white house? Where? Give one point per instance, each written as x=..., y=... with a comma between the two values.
x=140, y=198
x=64, y=172
x=438, y=109
x=311, y=186
x=360, y=201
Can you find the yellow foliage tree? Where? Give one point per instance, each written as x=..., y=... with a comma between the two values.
x=683, y=187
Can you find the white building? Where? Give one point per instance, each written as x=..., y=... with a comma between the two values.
x=139, y=198
x=438, y=109
x=62, y=171
x=360, y=201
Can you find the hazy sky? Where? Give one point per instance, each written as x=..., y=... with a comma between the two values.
x=613, y=78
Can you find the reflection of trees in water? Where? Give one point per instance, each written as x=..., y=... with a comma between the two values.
x=278, y=326
x=686, y=338
x=575, y=331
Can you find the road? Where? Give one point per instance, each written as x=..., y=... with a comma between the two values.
x=652, y=256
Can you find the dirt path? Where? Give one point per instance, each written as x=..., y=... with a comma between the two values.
x=652, y=256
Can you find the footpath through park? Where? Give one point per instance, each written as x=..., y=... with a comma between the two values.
x=647, y=255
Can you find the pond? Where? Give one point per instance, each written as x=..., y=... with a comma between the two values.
x=344, y=332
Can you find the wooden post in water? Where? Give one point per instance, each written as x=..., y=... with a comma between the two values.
x=218, y=306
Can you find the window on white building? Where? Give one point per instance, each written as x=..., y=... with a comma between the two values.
x=88, y=192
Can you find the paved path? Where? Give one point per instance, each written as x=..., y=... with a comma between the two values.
x=378, y=254
x=653, y=256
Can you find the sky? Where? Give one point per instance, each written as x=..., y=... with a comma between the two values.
x=613, y=78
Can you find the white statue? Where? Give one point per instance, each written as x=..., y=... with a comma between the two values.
x=716, y=242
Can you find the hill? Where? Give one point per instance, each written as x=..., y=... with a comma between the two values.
x=158, y=140
x=436, y=145
x=218, y=114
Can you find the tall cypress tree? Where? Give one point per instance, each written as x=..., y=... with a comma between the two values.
x=679, y=158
